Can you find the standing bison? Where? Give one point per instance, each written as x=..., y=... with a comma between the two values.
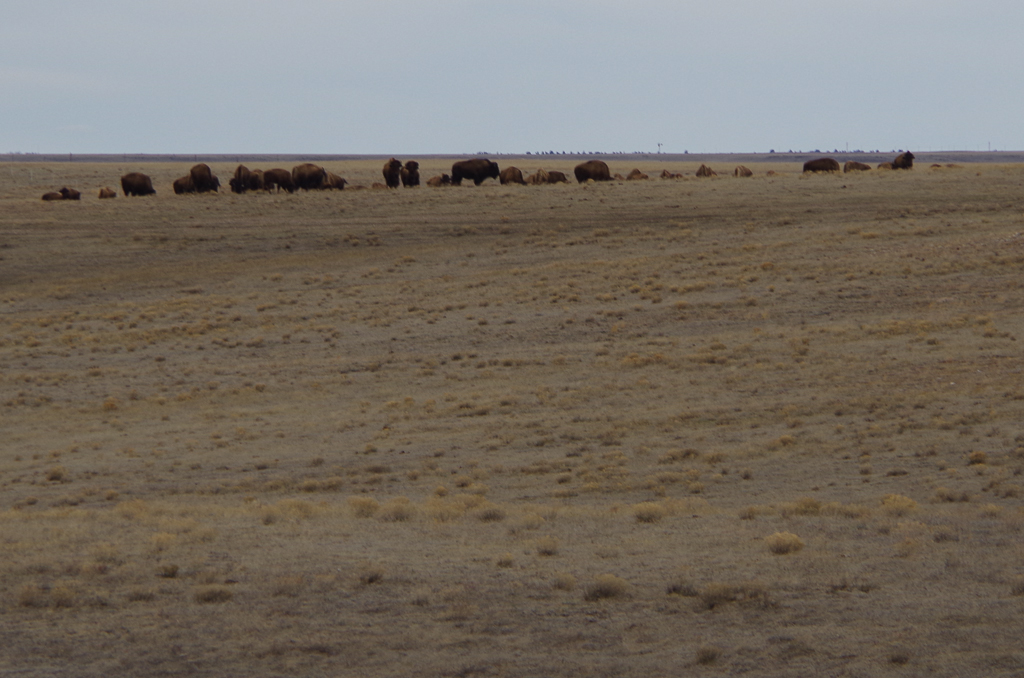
x=203, y=179
x=392, y=173
x=334, y=181
x=240, y=181
x=183, y=185
x=821, y=165
x=477, y=169
x=511, y=175
x=137, y=183
x=410, y=174
x=904, y=161
x=854, y=166
x=309, y=177
x=595, y=170
x=278, y=179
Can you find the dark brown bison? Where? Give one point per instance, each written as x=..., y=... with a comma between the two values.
x=107, y=192
x=511, y=175
x=854, y=166
x=904, y=161
x=537, y=178
x=278, y=179
x=885, y=165
x=636, y=175
x=53, y=195
x=137, y=183
x=183, y=185
x=440, y=180
x=240, y=181
x=742, y=171
x=334, y=181
x=70, y=194
x=822, y=165
x=411, y=174
x=393, y=173
x=309, y=177
x=556, y=177
x=596, y=170
x=256, y=180
x=705, y=171
x=477, y=169
x=203, y=179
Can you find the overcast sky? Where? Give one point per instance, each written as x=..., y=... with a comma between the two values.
x=463, y=76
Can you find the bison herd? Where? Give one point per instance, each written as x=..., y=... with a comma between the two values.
x=310, y=177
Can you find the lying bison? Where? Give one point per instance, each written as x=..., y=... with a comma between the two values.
x=410, y=174
x=636, y=175
x=705, y=171
x=665, y=174
x=854, y=166
x=278, y=179
x=392, y=173
x=63, y=194
x=742, y=171
x=537, y=178
x=904, y=161
x=592, y=170
x=107, y=192
x=203, y=179
x=137, y=183
x=511, y=175
x=477, y=169
x=821, y=165
x=440, y=180
x=885, y=165
x=309, y=177
x=556, y=177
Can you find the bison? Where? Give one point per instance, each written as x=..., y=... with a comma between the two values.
x=904, y=161
x=854, y=166
x=822, y=165
x=107, y=192
x=636, y=175
x=137, y=183
x=705, y=171
x=511, y=175
x=334, y=181
x=537, y=178
x=392, y=173
x=742, y=171
x=556, y=177
x=309, y=177
x=70, y=194
x=183, y=185
x=240, y=181
x=53, y=195
x=596, y=170
x=410, y=174
x=665, y=174
x=203, y=179
x=885, y=165
x=477, y=169
x=440, y=180
x=277, y=179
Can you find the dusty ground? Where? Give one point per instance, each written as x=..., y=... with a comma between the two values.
x=767, y=426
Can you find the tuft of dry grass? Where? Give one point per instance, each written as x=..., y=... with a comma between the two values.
x=898, y=505
x=606, y=586
x=708, y=654
x=782, y=543
x=363, y=507
x=649, y=512
x=213, y=594
x=547, y=546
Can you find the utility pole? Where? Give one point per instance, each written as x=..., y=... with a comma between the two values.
x=659, y=149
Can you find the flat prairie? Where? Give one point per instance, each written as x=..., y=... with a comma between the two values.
x=769, y=426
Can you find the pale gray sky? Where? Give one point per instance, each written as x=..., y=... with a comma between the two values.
x=463, y=76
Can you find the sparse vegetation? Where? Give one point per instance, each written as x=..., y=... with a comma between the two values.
x=370, y=432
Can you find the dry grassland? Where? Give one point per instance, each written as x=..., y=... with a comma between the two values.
x=767, y=426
